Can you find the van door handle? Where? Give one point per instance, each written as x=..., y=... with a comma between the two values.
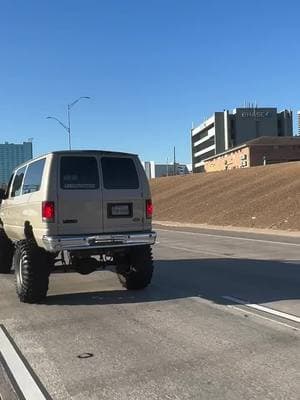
x=70, y=221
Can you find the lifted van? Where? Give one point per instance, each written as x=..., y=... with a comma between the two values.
x=81, y=209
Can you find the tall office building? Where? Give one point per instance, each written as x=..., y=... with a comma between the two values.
x=224, y=130
x=12, y=155
x=298, y=115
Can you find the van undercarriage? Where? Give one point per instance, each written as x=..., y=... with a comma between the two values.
x=33, y=265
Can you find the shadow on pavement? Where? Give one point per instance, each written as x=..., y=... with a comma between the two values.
x=258, y=281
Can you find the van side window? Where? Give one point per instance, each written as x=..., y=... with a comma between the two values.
x=33, y=177
x=17, y=183
x=79, y=173
x=119, y=173
x=8, y=186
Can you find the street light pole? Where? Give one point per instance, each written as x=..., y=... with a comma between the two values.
x=68, y=127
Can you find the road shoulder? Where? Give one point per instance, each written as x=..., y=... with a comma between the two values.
x=226, y=230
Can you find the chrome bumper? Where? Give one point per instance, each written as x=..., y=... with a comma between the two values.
x=60, y=243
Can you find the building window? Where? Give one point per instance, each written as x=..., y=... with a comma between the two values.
x=232, y=132
x=204, y=145
x=279, y=127
x=200, y=135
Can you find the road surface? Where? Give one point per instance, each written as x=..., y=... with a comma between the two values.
x=219, y=321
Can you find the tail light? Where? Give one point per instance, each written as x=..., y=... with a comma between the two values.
x=149, y=208
x=48, y=211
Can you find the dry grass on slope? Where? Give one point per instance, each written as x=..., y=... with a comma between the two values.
x=262, y=197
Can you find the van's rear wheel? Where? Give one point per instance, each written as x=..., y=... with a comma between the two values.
x=6, y=253
x=32, y=270
x=135, y=269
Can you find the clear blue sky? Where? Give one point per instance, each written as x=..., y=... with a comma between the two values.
x=151, y=67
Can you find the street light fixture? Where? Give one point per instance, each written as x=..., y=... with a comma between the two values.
x=68, y=127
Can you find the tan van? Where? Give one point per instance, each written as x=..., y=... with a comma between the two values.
x=88, y=207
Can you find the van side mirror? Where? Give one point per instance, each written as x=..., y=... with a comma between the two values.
x=2, y=194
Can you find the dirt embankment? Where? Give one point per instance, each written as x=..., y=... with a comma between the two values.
x=260, y=197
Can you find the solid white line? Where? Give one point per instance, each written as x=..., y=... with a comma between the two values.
x=22, y=376
x=193, y=250
x=203, y=300
x=230, y=237
x=268, y=310
x=261, y=316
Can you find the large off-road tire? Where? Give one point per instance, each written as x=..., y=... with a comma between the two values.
x=32, y=270
x=6, y=253
x=135, y=269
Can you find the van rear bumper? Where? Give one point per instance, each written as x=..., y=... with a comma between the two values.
x=82, y=242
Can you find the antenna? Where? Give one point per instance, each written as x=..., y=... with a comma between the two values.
x=174, y=166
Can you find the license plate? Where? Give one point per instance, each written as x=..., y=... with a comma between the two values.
x=119, y=210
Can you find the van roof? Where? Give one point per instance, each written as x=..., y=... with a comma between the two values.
x=77, y=152
x=106, y=152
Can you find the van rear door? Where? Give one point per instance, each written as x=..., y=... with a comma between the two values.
x=79, y=195
x=123, y=203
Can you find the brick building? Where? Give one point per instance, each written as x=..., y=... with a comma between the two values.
x=260, y=151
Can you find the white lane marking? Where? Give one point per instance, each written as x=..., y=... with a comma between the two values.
x=194, y=251
x=268, y=310
x=22, y=376
x=203, y=300
x=230, y=237
x=262, y=317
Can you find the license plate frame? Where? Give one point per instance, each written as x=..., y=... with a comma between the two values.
x=119, y=210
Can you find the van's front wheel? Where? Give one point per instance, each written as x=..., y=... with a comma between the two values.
x=32, y=271
x=135, y=269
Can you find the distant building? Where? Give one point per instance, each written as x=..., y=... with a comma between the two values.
x=170, y=169
x=224, y=130
x=298, y=115
x=149, y=167
x=260, y=151
x=190, y=168
x=158, y=170
x=12, y=155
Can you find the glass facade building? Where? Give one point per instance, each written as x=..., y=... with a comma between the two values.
x=11, y=155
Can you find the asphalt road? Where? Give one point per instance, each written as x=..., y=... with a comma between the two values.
x=198, y=332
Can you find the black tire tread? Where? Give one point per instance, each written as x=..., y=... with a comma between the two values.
x=36, y=270
x=141, y=268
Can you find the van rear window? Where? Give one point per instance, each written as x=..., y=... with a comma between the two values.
x=79, y=173
x=119, y=173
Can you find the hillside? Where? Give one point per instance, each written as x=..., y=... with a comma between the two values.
x=261, y=197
